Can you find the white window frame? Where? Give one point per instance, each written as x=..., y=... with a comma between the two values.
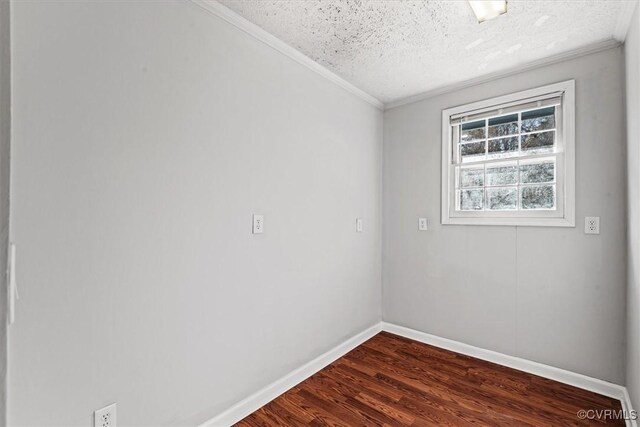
x=564, y=215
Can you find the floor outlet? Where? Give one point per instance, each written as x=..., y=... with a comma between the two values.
x=105, y=417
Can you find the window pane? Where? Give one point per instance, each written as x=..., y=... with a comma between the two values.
x=541, y=119
x=472, y=131
x=538, y=142
x=503, y=147
x=499, y=199
x=502, y=174
x=471, y=200
x=472, y=177
x=538, y=172
x=472, y=150
x=502, y=126
x=538, y=197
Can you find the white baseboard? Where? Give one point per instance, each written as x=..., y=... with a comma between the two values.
x=267, y=394
x=275, y=389
x=628, y=407
x=578, y=380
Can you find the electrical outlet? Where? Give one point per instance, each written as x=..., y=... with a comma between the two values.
x=105, y=417
x=423, y=224
x=258, y=224
x=359, y=225
x=592, y=225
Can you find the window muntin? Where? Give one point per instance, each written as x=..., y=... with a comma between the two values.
x=527, y=181
x=510, y=160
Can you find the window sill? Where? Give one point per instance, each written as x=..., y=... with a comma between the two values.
x=524, y=222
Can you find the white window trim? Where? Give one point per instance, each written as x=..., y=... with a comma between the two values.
x=537, y=218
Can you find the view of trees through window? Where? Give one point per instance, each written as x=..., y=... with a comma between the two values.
x=507, y=162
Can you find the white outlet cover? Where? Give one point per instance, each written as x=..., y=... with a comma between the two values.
x=359, y=225
x=105, y=417
x=258, y=224
x=423, y=224
x=592, y=225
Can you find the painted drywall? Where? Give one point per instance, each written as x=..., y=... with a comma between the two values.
x=146, y=134
x=632, y=73
x=5, y=149
x=551, y=295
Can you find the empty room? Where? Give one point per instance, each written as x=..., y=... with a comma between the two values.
x=393, y=213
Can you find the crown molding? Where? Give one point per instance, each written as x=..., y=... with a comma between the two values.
x=564, y=56
x=624, y=20
x=270, y=40
x=229, y=16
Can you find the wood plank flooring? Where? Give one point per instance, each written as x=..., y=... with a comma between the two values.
x=394, y=381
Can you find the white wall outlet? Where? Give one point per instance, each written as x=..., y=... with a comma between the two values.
x=359, y=225
x=258, y=224
x=423, y=224
x=592, y=225
x=105, y=417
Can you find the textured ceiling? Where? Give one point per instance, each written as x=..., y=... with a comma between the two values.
x=395, y=49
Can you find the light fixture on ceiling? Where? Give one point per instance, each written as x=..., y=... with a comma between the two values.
x=486, y=10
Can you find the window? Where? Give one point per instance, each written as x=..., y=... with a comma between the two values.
x=510, y=160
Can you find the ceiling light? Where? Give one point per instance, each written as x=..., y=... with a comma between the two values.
x=486, y=10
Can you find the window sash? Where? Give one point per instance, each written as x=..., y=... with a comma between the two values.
x=520, y=213
x=559, y=145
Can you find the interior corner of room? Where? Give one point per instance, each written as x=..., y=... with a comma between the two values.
x=319, y=213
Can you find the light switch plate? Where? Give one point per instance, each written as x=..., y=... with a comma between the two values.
x=105, y=417
x=258, y=224
x=592, y=225
x=359, y=225
x=423, y=224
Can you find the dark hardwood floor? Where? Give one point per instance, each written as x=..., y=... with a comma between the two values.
x=394, y=381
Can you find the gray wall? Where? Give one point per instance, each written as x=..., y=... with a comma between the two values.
x=632, y=59
x=146, y=134
x=551, y=295
x=5, y=148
